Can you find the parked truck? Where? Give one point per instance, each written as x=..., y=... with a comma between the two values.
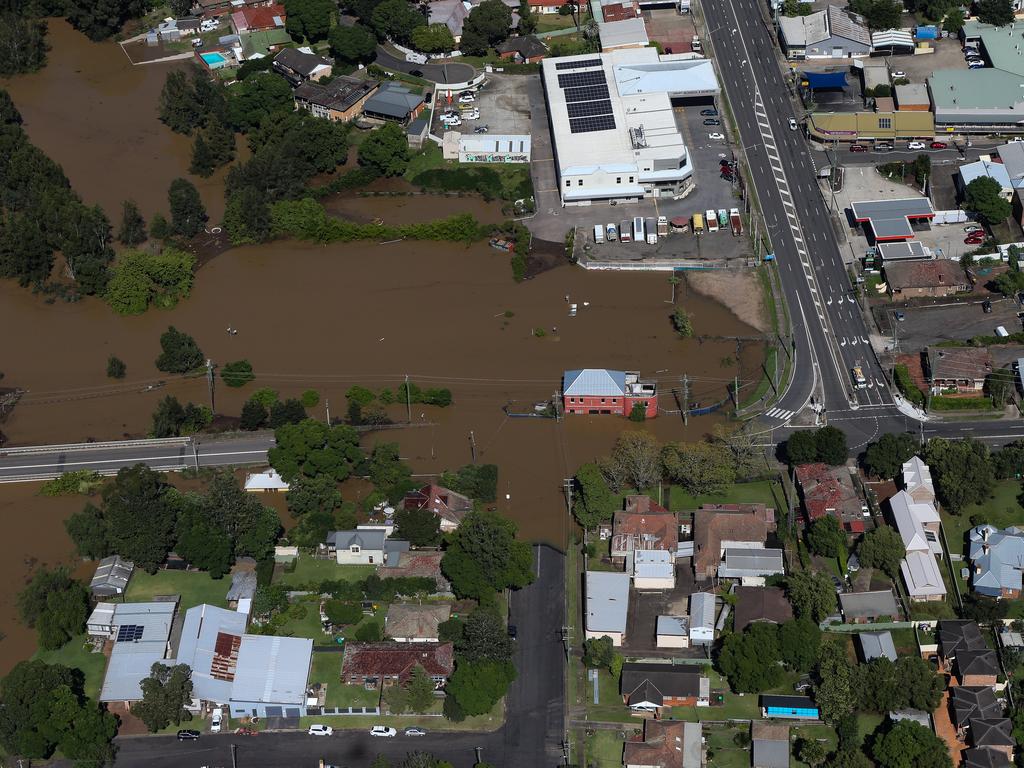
x=662, y=226
x=651, y=229
x=737, y=221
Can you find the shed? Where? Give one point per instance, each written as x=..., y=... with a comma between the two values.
x=702, y=618
x=111, y=577
x=876, y=645
x=770, y=744
x=673, y=632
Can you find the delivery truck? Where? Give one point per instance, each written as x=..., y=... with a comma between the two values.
x=737, y=221
x=651, y=228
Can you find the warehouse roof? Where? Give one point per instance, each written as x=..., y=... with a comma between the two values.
x=890, y=219
x=272, y=669
x=111, y=576
x=607, y=594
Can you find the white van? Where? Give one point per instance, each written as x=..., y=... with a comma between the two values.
x=598, y=233
x=638, y=229
x=216, y=717
x=711, y=220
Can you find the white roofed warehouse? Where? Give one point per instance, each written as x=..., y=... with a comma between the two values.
x=614, y=131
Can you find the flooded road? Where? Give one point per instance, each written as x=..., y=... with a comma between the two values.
x=94, y=113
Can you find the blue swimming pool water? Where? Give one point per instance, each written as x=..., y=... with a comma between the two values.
x=212, y=58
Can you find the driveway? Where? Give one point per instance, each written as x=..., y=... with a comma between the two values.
x=435, y=73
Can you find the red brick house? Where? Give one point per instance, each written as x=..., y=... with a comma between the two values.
x=374, y=665
x=717, y=527
x=254, y=19
x=829, y=491
x=599, y=390
x=526, y=49
x=648, y=688
x=448, y=505
x=643, y=524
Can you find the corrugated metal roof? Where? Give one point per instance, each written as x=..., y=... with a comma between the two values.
x=607, y=596
x=875, y=645
x=702, y=610
x=272, y=670
x=595, y=382
x=197, y=648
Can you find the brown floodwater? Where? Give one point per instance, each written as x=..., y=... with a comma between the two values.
x=94, y=113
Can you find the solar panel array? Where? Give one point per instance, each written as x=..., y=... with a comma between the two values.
x=128, y=633
x=587, y=100
x=578, y=64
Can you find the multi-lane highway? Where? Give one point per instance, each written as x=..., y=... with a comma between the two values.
x=830, y=334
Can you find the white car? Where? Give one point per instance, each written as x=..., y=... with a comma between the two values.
x=716, y=136
x=415, y=732
x=216, y=718
x=972, y=228
x=320, y=730
x=792, y=124
x=471, y=115
x=898, y=73
x=383, y=730
x=915, y=145
x=451, y=122
x=467, y=98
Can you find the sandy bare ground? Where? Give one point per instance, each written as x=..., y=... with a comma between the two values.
x=738, y=291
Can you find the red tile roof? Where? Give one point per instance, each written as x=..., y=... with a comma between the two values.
x=396, y=659
x=662, y=745
x=425, y=564
x=260, y=17
x=619, y=12
x=446, y=504
x=729, y=522
x=827, y=490
x=644, y=524
x=924, y=274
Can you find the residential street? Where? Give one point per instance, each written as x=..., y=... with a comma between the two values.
x=531, y=736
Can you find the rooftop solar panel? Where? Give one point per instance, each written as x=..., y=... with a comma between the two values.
x=589, y=108
x=128, y=633
x=576, y=79
x=578, y=64
x=591, y=124
x=589, y=93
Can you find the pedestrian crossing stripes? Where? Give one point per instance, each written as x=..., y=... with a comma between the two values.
x=780, y=413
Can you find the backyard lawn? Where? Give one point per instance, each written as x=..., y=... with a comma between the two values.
x=723, y=750
x=604, y=749
x=817, y=732
x=1001, y=510
x=78, y=655
x=194, y=587
x=610, y=707
x=309, y=570
x=488, y=722
x=764, y=491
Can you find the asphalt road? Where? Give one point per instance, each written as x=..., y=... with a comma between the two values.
x=435, y=73
x=531, y=736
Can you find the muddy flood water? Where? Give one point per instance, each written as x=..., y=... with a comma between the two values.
x=327, y=317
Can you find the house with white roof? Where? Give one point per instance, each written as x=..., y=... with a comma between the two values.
x=139, y=634
x=922, y=576
x=918, y=524
x=652, y=568
x=607, y=602
x=997, y=560
x=917, y=480
x=267, y=481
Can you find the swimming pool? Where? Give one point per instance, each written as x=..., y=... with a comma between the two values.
x=213, y=60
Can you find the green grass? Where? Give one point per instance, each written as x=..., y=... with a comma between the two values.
x=1001, y=509
x=726, y=754
x=764, y=491
x=814, y=732
x=195, y=588
x=905, y=641
x=78, y=655
x=426, y=159
x=309, y=570
x=735, y=707
x=549, y=22
x=327, y=670
x=604, y=749
x=489, y=722
x=867, y=722
x=611, y=709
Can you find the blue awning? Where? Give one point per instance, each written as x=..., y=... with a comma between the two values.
x=818, y=80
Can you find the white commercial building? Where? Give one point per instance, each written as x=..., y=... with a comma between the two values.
x=614, y=131
x=607, y=596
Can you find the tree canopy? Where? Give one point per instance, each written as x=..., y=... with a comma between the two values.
x=984, y=196
x=827, y=444
x=309, y=19
x=879, y=14
x=910, y=745
x=825, y=537
x=180, y=353
x=433, y=38
x=188, y=215
x=99, y=19
x=635, y=462
x=882, y=548
x=484, y=556
x=420, y=527
x=594, y=501
x=701, y=468
x=811, y=594
x=961, y=470
x=477, y=686
x=750, y=659
x=22, y=44
x=834, y=690
x=885, y=457
x=396, y=20
x=487, y=25
x=165, y=694
x=386, y=150
x=996, y=12
x=55, y=605
x=352, y=45
x=141, y=278
x=798, y=644
x=312, y=448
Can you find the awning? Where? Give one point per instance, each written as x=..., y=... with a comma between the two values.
x=816, y=80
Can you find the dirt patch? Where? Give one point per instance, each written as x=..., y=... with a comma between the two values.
x=739, y=291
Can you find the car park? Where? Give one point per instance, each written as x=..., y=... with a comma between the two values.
x=716, y=136
x=709, y=112
x=611, y=232
x=188, y=735
x=383, y=731
x=415, y=732
x=472, y=115
x=858, y=148
x=916, y=145
x=792, y=124
x=938, y=145
x=320, y=730
x=712, y=121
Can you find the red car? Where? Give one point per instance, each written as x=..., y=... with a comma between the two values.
x=938, y=145
x=974, y=239
x=858, y=148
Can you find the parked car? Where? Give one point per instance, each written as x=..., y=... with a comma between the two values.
x=716, y=136
x=415, y=732
x=898, y=73
x=188, y=735
x=384, y=731
x=986, y=307
x=938, y=145
x=803, y=684
x=320, y=730
x=216, y=718
x=974, y=64
x=513, y=630
x=467, y=98
x=482, y=129
x=900, y=317
x=474, y=115
x=973, y=228
x=975, y=238
x=725, y=163
x=451, y=122
x=417, y=73
x=858, y=148
x=838, y=583
x=792, y=124
x=709, y=112
x=712, y=121
x=883, y=147
x=915, y=145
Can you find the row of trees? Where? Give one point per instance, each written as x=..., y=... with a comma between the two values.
x=142, y=518
x=827, y=445
x=637, y=461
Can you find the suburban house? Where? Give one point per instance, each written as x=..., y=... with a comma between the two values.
x=257, y=18
x=789, y=707
x=916, y=279
x=751, y=565
x=415, y=623
x=607, y=596
x=642, y=525
x=395, y=103
x=958, y=369
x=364, y=547
x=917, y=481
x=649, y=688
x=829, y=34
x=986, y=168
x=297, y=65
x=451, y=13
x=984, y=758
x=995, y=734
x=997, y=558
x=376, y=665
x=702, y=618
x=526, y=49
x=421, y=564
x=672, y=632
x=864, y=607
x=258, y=44
x=980, y=667
x=922, y=577
x=253, y=675
x=268, y=481
x=876, y=645
x=599, y=390
x=340, y=100
x=212, y=8
x=448, y=505
x=767, y=604
x=972, y=702
x=720, y=527
x=830, y=491
x=139, y=634
x=666, y=744
x=917, y=523
x=111, y=577
x=769, y=744
x=652, y=569
x=957, y=635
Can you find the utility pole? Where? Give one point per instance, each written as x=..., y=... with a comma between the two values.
x=209, y=381
x=736, y=392
x=472, y=444
x=195, y=452
x=686, y=400
x=234, y=759
x=328, y=404
x=408, y=402
x=567, y=486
